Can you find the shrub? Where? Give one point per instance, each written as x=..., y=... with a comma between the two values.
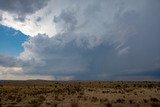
x=155, y=105
x=79, y=96
x=94, y=99
x=103, y=100
x=118, y=86
x=120, y=100
x=55, y=105
x=19, y=99
x=154, y=100
x=103, y=92
x=81, y=93
x=84, y=98
x=56, y=97
x=150, y=85
x=108, y=105
x=10, y=97
x=145, y=100
x=41, y=98
x=131, y=101
x=35, y=102
x=134, y=85
x=90, y=90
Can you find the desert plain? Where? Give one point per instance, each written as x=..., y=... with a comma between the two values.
x=40, y=93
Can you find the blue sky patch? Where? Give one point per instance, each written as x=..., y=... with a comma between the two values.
x=11, y=41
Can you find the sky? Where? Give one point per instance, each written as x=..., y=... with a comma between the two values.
x=115, y=40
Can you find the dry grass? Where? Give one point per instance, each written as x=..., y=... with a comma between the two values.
x=79, y=94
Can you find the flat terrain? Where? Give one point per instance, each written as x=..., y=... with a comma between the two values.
x=41, y=93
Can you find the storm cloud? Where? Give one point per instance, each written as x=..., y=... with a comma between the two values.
x=108, y=40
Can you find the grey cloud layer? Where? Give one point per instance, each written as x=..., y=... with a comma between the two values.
x=22, y=7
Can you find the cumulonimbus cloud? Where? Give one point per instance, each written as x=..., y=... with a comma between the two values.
x=100, y=40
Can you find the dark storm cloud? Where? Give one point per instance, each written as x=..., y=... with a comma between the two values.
x=22, y=7
x=131, y=44
x=108, y=40
x=139, y=74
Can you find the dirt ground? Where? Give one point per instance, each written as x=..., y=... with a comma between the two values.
x=41, y=93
